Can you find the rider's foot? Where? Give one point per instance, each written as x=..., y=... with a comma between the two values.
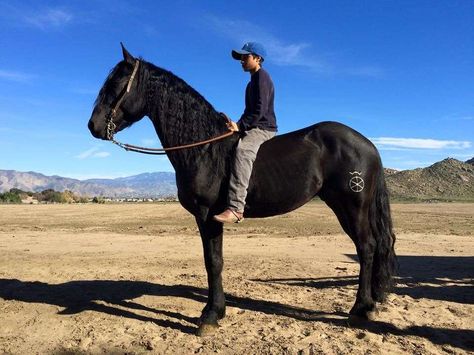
x=229, y=216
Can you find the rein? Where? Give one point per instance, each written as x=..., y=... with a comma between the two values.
x=111, y=126
x=162, y=151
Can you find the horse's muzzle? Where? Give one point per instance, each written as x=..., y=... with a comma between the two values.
x=97, y=133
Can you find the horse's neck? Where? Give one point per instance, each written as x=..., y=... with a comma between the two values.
x=179, y=114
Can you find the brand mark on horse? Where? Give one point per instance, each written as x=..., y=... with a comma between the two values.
x=356, y=183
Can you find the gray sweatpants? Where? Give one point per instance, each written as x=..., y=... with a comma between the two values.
x=245, y=155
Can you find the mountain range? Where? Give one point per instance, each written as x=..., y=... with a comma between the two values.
x=159, y=184
x=449, y=179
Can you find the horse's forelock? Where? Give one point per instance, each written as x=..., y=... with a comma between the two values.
x=111, y=81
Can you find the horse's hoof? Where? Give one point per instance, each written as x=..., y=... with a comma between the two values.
x=372, y=315
x=357, y=321
x=206, y=330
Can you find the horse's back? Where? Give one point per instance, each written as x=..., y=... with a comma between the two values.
x=292, y=168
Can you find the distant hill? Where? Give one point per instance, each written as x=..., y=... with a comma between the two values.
x=160, y=184
x=449, y=179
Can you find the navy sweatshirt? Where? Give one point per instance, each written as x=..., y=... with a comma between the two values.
x=259, y=96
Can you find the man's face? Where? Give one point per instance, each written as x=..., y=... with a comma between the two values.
x=250, y=63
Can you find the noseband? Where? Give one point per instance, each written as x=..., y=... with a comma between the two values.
x=111, y=126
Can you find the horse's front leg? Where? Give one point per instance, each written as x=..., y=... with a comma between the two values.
x=211, y=236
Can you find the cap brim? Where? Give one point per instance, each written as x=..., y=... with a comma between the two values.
x=237, y=55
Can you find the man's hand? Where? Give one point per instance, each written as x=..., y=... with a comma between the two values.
x=232, y=126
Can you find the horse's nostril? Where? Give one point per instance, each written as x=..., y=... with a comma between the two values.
x=93, y=130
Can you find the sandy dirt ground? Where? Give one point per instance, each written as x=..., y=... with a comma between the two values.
x=130, y=279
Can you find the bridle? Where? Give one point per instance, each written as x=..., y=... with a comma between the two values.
x=111, y=126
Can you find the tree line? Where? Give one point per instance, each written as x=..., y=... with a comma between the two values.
x=45, y=196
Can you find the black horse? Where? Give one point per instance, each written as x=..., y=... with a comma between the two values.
x=328, y=159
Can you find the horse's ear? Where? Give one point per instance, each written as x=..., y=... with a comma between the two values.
x=127, y=56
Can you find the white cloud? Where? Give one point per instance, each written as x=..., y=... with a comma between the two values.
x=100, y=155
x=15, y=76
x=281, y=53
x=391, y=143
x=92, y=153
x=49, y=18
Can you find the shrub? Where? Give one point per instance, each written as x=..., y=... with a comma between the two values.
x=10, y=197
x=98, y=200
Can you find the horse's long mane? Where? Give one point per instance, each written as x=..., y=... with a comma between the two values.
x=181, y=114
x=177, y=98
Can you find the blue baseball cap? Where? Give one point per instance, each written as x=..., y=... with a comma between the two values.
x=250, y=48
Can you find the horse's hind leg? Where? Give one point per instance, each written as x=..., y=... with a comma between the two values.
x=354, y=218
x=365, y=245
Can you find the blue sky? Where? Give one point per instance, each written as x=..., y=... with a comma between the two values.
x=399, y=72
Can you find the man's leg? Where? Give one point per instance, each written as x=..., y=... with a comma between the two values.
x=245, y=155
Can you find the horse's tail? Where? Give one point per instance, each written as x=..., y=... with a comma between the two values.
x=384, y=264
